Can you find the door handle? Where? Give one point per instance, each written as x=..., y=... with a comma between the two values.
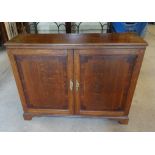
x=71, y=85
x=77, y=85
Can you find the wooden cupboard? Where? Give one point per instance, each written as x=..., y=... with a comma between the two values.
x=68, y=74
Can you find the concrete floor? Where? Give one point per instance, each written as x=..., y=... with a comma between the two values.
x=142, y=114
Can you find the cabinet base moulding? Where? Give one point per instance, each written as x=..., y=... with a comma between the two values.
x=124, y=121
x=27, y=116
x=121, y=119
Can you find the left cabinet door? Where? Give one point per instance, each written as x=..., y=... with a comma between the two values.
x=44, y=79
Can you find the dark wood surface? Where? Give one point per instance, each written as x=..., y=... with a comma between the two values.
x=3, y=33
x=78, y=39
x=23, y=27
x=47, y=78
x=68, y=26
x=104, y=78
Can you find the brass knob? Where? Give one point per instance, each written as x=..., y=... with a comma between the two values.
x=77, y=85
x=71, y=85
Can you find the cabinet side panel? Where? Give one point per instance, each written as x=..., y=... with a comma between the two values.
x=17, y=79
x=134, y=78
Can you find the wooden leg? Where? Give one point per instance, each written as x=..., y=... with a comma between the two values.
x=124, y=121
x=27, y=116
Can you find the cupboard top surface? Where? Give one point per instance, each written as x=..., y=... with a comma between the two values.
x=125, y=39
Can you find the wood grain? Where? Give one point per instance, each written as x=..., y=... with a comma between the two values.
x=77, y=39
x=105, y=66
x=104, y=80
x=44, y=79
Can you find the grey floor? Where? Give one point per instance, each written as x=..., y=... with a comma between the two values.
x=142, y=114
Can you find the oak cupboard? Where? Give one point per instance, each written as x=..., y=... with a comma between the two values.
x=76, y=74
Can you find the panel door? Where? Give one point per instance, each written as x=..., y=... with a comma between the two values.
x=44, y=80
x=102, y=79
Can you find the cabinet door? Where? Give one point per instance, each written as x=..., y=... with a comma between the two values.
x=43, y=78
x=102, y=79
